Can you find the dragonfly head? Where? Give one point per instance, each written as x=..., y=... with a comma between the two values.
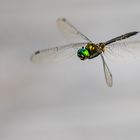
x=83, y=53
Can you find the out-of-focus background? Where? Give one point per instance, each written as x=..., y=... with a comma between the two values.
x=68, y=100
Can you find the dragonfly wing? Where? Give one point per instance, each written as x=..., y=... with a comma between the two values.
x=108, y=75
x=70, y=32
x=56, y=54
x=123, y=50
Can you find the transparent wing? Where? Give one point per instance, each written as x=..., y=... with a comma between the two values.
x=123, y=50
x=108, y=75
x=70, y=32
x=56, y=54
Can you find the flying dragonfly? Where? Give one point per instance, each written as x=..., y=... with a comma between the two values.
x=84, y=50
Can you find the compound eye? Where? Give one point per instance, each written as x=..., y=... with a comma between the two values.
x=82, y=53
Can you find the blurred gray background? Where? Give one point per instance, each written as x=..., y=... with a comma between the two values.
x=68, y=100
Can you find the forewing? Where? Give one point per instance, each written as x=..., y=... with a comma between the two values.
x=56, y=54
x=108, y=75
x=70, y=32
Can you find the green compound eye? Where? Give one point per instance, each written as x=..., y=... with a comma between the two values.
x=83, y=53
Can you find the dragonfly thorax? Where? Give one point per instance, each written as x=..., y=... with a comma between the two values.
x=93, y=49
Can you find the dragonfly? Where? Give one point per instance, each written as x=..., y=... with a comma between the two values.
x=86, y=49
